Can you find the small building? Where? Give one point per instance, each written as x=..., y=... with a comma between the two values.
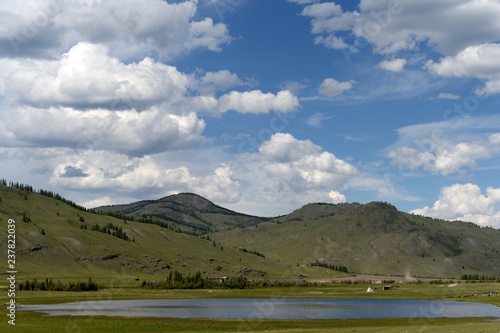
x=369, y=290
x=219, y=279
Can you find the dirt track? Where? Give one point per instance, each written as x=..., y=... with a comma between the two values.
x=369, y=278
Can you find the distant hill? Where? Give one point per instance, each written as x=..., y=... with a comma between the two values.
x=187, y=211
x=58, y=239
x=373, y=238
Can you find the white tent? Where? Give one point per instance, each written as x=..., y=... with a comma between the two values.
x=369, y=290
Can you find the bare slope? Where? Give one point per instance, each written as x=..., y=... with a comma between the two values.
x=373, y=238
x=187, y=211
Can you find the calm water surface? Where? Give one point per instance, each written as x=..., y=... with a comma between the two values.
x=280, y=308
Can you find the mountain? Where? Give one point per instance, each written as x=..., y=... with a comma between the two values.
x=373, y=238
x=57, y=239
x=185, y=211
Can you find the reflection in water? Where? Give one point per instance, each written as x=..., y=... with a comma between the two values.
x=276, y=308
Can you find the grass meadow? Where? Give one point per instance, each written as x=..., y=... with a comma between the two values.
x=474, y=292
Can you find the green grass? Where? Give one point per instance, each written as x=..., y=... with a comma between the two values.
x=34, y=323
x=290, y=244
x=368, y=243
x=70, y=253
x=471, y=292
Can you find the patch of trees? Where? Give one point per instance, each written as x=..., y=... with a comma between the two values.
x=50, y=194
x=339, y=268
x=147, y=220
x=479, y=277
x=49, y=285
x=112, y=230
x=441, y=281
x=242, y=249
x=177, y=280
x=26, y=218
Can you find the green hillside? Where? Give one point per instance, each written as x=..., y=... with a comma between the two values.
x=373, y=238
x=66, y=251
x=186, y=211
x=57, y=240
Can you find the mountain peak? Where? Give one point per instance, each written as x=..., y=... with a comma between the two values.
x=187, y=211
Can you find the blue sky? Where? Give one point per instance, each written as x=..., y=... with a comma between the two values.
x=261, y=106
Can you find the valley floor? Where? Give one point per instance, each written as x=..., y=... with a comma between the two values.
x=35, y=323
x=475, y=292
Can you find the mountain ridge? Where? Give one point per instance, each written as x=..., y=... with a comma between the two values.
x=187, y=211
x=57, y=238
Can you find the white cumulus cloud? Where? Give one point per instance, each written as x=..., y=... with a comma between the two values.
x=87, y=75
x=479, y=61
x=466, y=202
x=441, y=156
x=256, y=101
x=301, y=164
x=130, y=132
x=114, y=172
x=46, y=28
x=393, y=26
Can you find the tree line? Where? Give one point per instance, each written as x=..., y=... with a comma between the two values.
x=110, y=229
x=49, y=285
x=242, y=249
x=57, y=196
x=50, y=194
x=479, y=277
x=177, y=280
x=339, y=268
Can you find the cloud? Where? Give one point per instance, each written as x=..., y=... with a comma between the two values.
x=302, y=2
x=129, y=132
x=118, y=173
x=317, y=119
x=302, y=164
x=447, y=147
x=70, y=172
x=479, y=61
x=284, y=174
x=441, y=156
x=331, y=87
x=294, y=86
x=395, y=65
x=393, y=26
x=466, y=202
x=256, y=101
x=221, y=80
x=448, y=96
x=87, y=76
x=47, y=28
x=104, y=201
x=284, y=148
x=494, y=138
x=337, y=197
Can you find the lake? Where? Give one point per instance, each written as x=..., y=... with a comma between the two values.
x=277, y=308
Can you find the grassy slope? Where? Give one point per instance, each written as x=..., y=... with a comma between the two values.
x=365, y=238
x=371, y=239
x=65, y=242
